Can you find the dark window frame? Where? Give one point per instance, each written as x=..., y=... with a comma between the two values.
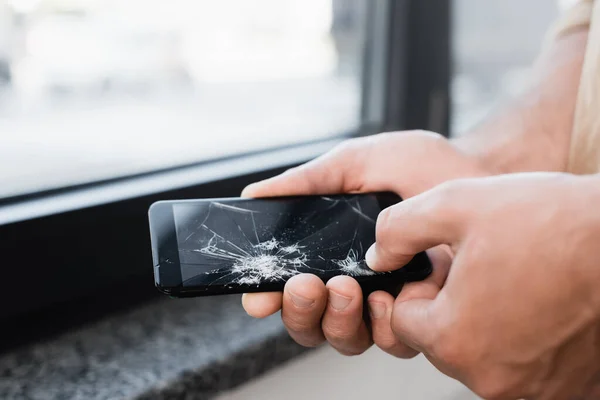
x=64, y=244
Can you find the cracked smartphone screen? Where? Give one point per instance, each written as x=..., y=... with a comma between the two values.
x=228, y=244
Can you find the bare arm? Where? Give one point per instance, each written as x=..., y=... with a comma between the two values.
x=532, y=133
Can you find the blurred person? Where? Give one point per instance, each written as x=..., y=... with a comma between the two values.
x=510, y=216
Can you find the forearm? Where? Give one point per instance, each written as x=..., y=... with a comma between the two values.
x=532, y=133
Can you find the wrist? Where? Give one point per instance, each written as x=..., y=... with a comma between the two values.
x=513, y=140
x=533, y=132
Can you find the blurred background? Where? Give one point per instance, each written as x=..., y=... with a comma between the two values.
x=92, y=90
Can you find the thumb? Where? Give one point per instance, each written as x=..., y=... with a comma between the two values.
x=366, y=165
x=412, y=323
x=344, y=169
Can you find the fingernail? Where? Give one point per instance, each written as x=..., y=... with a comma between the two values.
x=377, y=309
x=370, y=256
x=337, y=301
x=301, y=301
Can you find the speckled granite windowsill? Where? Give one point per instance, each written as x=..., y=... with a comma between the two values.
x=192, y=349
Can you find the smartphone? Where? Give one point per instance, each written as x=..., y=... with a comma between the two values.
x=239, y=245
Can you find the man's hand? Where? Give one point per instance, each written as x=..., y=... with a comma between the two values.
x=519, y=313
x=407, y=163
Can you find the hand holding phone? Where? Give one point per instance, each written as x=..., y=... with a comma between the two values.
x=237, y=245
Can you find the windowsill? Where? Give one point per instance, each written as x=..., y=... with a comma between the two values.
x=164, y=349
x=108, y=192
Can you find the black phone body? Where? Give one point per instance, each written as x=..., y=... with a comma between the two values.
x=239, y=245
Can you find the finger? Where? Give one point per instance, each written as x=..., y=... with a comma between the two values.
x=411, y=320
x=413, y=323
x=415, y=225
x=343, y=323
x=381, y=305
x=431, y=286
x=304, y=300
x=261, y=305
x=359, y=165
x=341, y=170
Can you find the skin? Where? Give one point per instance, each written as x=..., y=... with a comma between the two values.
x=518, y=315
x=511, y=308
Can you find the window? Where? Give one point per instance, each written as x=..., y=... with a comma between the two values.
x=495, y=42
x=93, y=90
x=109, y=105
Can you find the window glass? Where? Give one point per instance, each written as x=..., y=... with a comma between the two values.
x=96, y=89
x=494, y=44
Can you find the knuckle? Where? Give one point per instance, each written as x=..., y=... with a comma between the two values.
x=351, y=154
x=450, y=344
x=298, y=325
x=388, y=245
x=450, y=349
x=447, y=196
x=385, y=221
x=477, y=249
x=311, y=177
x=451, y=190
x=339, y=333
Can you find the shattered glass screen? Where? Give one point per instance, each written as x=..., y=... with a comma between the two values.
x=249, y=242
